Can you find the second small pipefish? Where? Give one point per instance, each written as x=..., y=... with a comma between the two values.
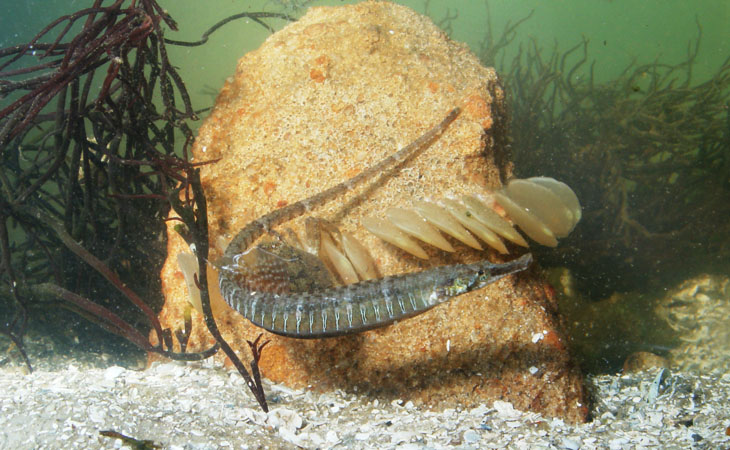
x=325, y=310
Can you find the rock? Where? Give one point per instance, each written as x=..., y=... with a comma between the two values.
x=638, y=361
x=322, y=99
x=697, y=310
x=604, y=333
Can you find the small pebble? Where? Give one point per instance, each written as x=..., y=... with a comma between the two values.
x=113, y=372
x=570, y=444
x=471, y=436
x=331, y=437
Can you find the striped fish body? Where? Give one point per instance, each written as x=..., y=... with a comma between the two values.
x=362, y=306
x=266, y=292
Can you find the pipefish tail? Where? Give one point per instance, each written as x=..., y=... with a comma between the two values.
x=257, y=228
x=327, y=310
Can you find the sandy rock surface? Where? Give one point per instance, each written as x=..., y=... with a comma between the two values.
x=320, y=101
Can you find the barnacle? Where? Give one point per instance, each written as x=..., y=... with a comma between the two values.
x=543, y=208
x=347, y=258
x=188, y=264
x=389, y=232
x=359, y=257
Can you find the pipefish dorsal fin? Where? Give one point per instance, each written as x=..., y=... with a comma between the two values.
x=278, y=268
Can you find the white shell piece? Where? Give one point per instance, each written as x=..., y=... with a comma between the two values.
x=390, y=233
x=415, y=225
x=492, y=220
x=543, y=203
x=445, y=222
x=462, y=214
x=531, y=225
x=189, y=266
x=566, y=194
x=221, y=242
x=339, y=262
x=359, y=256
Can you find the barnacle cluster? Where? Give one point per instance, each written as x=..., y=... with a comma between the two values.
x=543, y=208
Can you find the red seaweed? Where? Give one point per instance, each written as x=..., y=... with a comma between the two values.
x=92, y=160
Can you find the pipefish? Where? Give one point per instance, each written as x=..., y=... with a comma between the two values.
x=326, y=310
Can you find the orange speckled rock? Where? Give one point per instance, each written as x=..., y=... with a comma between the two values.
x=321, y=100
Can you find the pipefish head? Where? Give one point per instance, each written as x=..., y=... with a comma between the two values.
x=470, y=277
x=463, y=278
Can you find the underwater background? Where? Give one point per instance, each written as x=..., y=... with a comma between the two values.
x=620, y=32
x=639, y=127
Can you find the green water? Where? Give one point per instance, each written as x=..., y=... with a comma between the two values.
x=619, y=31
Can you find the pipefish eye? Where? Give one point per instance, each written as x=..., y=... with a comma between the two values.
x=482, y=275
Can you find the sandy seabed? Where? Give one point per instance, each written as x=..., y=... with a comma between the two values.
x=200, y=406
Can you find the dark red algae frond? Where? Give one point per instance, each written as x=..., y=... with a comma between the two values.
x=90, y=169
